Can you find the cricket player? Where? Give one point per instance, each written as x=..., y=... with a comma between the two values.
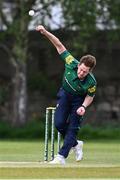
x=75, y=95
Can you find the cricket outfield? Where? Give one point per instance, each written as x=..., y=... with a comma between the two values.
x=24, y=160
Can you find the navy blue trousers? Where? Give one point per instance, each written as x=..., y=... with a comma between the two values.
x=67, y=121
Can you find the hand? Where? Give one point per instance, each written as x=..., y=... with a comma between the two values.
x=41, y=29
x=81, y=111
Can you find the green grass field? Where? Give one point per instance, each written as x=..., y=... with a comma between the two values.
x=24, y=160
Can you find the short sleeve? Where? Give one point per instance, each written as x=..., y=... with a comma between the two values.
x=92, y=90
x=69, y=59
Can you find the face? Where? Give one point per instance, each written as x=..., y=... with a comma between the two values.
x=82, y=71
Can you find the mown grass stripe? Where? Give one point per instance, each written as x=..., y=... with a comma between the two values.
x=71, y=173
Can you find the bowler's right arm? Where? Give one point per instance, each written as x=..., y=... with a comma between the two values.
x=54, y=40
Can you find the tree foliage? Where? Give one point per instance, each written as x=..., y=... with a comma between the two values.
x=84, y=17
x=89, y=16
x=15, y=21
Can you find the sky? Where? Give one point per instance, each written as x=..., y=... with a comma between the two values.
x=54, y=23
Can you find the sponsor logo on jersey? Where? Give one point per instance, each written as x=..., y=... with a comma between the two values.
x=69, y=59
x=92, y=89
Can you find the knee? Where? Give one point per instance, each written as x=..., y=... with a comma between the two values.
x=59, y=125
x=60, y=128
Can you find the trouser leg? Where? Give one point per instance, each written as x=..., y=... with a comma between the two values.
x=62, y=112
x=67, y=121
x=69, y=142
x=70, y=139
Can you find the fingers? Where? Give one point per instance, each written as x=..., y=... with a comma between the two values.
x=80, y=111
x=40, y=28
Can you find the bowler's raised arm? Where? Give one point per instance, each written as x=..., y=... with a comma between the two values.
x=54, y=40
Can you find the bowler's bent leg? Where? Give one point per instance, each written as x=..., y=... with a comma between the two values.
x=62, y=112
x=69, y=142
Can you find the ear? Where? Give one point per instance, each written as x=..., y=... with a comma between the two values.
x=78, y=65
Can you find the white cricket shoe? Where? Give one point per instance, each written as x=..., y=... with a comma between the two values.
x=59, y=159
x=78, y=150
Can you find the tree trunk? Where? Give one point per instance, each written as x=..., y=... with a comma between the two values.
x=19, y=96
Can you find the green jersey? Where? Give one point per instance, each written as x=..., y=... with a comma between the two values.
x=71, y=83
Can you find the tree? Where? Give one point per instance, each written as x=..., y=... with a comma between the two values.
x=15, y=23
x=87, y=17
x=80, y=16
x=17, y=27
x=84, y=17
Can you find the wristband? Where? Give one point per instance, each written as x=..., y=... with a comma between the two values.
x=84, y=106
